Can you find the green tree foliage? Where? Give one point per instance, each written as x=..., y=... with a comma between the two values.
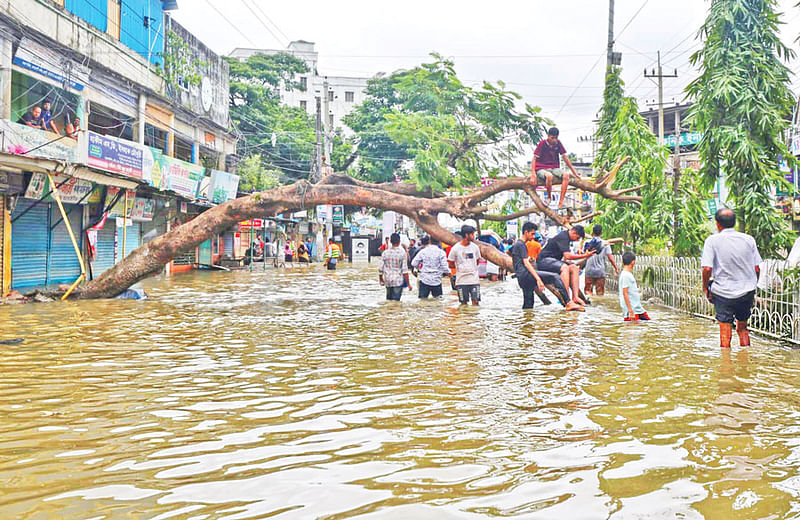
x=178, y=65
x=254, y=177
x=256, y=110
x=450, y=134
x=623, y=132
x=693, y=223
x=742, y=100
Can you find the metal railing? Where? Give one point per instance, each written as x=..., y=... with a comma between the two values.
x=677, y=283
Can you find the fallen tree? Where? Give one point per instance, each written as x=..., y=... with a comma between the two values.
x=404, y=198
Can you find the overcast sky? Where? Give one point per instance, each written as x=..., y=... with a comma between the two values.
x=551, y=52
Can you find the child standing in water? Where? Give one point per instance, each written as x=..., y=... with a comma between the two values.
x=629, y=298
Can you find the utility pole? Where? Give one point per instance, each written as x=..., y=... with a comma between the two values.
x=660, y=77
x=326, y=123
x=318, y=146
x=610, y=50
x=676, y=175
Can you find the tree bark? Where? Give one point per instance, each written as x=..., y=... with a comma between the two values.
x=423, y=207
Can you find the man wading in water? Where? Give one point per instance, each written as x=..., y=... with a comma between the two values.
x=733, y=260
x=531, y=280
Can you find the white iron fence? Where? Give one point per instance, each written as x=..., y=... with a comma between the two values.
x=677, y=283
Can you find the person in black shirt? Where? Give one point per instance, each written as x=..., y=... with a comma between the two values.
x=529, y=279
x=555, y=255
x=32, y=118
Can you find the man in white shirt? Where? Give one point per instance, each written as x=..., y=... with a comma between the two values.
x=464, y=256
x=432, y=264
x=732, y=259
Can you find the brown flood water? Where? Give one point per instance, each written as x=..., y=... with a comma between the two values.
x=300, y=394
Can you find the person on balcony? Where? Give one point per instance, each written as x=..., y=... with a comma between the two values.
x=73, y=128
x=48, y=125
x=32, y=118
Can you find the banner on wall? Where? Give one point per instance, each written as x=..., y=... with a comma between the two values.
x=179, y=176
x=34, y=142
x=115, y=155
x=223, y=187
x=143, y=209
x=119, y=209
x=70, y=191
x=41, y=60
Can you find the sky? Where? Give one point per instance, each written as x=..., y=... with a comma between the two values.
x=550, y=52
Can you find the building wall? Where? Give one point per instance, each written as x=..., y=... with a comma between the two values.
x=93, y=12
x=147, y=41
x=317, y=85
x=215, y=73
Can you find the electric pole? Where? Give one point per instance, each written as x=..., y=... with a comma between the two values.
x=676, y=175
x=318, y=146
x=610, y=50
x=326, y=141
x=660, y=77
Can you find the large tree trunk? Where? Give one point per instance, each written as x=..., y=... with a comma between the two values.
x=405, y=199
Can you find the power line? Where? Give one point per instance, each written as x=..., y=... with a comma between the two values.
x=264, y=25
x=231, y=23
x=272, y=22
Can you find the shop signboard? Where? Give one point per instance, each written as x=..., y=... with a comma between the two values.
x=322, y=213
x=37, y=58
x=143, y=209
x=712, y=206
x=179, y=176
x=337, y=214
x=512, y=228
x=115, y=155
x=70, y=191
x=224, y=186
x=687, y=139
x=254, y=223
x=360, y=250
x=118, y=209
x=33, y=142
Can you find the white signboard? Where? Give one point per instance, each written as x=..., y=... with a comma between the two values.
x=512, y=228
x=70, y=189
x=360, y=250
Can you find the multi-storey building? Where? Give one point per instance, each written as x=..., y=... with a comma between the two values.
x=338, y=94
x=131, y=149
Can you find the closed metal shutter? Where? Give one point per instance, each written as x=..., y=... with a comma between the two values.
x=106, y=246
x=2, y=241
x=64, y=266
x=132, y=237
x=154, y=228
x=228, y=248
x=29, y=241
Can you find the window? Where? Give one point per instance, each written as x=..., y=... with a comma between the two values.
x=27, y=92
x=303, y=82
x=349, y=97
x=155, y=137
x=304, y=105
x=330, y=119
x=106, y=121
x=330, y=95
x=183, y=149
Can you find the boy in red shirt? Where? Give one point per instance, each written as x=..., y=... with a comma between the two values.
x=546, y=166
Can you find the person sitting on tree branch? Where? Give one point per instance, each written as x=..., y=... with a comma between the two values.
x=545, y=165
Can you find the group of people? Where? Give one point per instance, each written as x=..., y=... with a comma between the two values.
x=730, y=274
x=41, y=117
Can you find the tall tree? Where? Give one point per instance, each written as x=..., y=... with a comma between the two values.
x=258, y=113
x=623, y=132
x=426, y=125
x=742, y=100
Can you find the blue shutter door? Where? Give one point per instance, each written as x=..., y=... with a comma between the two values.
x=29, y=240
x=64, y=266
x=106, y=241
x=132, y=238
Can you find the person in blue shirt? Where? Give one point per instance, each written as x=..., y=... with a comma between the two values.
x=48, y=125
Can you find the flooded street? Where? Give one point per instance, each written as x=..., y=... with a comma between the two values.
x=301, y=394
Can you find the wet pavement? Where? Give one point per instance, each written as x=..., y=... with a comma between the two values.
x=301, y=394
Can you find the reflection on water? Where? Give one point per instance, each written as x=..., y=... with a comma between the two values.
x=301, y=394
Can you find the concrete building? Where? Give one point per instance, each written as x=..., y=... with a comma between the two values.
x=338, y=94
x=127, y=154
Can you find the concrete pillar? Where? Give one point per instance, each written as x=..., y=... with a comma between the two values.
x=140, y=118
x=5, y=78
